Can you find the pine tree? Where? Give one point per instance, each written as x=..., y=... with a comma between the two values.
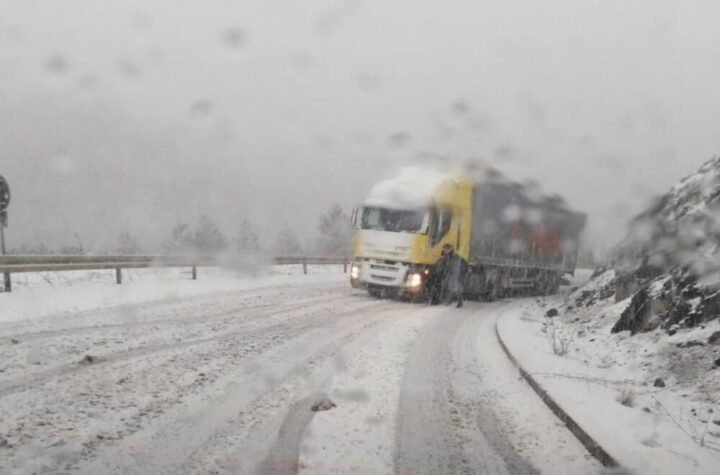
x=247, y=240
x=181, y=240
x=208, y=237
x=287, y=244
x=335, y=233
x=128, y=245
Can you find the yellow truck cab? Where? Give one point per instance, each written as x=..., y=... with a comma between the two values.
x=398, y=241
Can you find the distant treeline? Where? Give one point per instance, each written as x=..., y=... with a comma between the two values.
x=334, y=238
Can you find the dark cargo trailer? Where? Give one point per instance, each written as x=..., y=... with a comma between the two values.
x=520, y=238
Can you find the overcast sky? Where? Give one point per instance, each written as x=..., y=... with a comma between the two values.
x=133, y=115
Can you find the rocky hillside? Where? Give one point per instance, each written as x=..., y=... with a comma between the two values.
x=662, y=287
x=669, y=265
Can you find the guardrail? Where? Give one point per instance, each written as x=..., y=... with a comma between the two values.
x=26, y=264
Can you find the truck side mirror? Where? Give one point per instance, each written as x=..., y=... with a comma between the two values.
x=354, y=218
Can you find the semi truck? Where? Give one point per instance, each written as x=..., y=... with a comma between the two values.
x=511, y=235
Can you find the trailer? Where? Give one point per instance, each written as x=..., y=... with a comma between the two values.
x=520, y=239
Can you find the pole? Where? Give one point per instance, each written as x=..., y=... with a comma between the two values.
x=194, y=272
x=4, y=203
x=118, y=275
x=6, y=275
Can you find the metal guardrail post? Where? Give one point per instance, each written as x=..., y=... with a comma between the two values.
x=304, y=268
x=8, y=281
x=344, y=267
x=194, y=272
x=118, y=275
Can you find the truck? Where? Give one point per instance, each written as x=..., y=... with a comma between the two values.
x=512, y=236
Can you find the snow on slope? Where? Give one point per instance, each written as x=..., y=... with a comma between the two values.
x=654, y=317
x=650, y=400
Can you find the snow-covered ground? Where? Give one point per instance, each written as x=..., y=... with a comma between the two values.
x=647, y=400
x=433, y=393
x=54, y=293
x=179, y=378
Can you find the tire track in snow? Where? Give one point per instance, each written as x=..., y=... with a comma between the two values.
x=33, y=380
x=425, y=441
x=358, y=436
x=442, y=427
x=284, y=457
x=185, y=440
x=220, y=317
x=163, y=307
x=463, y=409
x=87, y=401
x=248, y=442
x=487, y=448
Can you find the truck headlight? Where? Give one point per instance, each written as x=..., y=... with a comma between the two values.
x=415, y=280
x=355, y=272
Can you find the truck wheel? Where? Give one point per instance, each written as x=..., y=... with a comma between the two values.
x=493, y=292
x=555, y=285
x=549, y=284
x=375, y=293
x=543, y=287
x=493, y=289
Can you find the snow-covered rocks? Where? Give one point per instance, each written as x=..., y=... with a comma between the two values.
x=671, y=301
x=670, y=261
x=668, y=267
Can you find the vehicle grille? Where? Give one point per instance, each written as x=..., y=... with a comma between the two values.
x=385, y=268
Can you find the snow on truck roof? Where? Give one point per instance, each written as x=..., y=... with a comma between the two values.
x=414, y=187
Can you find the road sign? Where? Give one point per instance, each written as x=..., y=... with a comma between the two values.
x=4, y=194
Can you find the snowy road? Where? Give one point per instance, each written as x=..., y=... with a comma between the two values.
x=225, y=383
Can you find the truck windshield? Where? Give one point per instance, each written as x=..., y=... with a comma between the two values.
x=395, y=220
